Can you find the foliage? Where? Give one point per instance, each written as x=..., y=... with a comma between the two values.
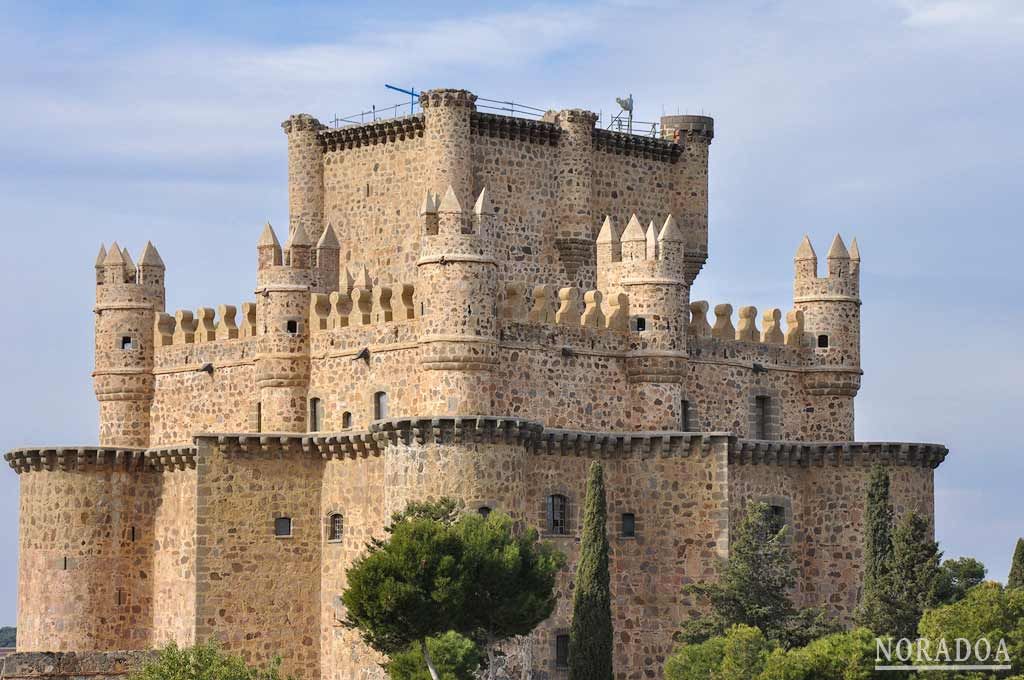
x=956, y=577
x=915, y=574
x=1016, y=578
x=439, y=571
x=8, y=636
x=456, y=658
x=738, y=655
x=753, y=588
x=874, y=610
x=840, y=656
x=203, y=662
x=988, y=611
x=512, y=583
x=590, y=638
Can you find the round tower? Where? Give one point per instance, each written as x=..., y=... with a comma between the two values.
x=447, y=127
x=128, y=298
x=305, y=174
x=693, y=134
x=456, y=297
x=831, y=307
x=283, y=283
x=575, y=237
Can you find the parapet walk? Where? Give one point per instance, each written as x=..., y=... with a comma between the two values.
x=532, y=435
x=747, y=330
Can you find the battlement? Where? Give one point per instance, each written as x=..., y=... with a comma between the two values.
x=842, y=279
x=747, y=330
x=205, y=325
x=545, y=304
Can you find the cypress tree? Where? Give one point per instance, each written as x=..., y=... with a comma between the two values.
x=1016, y=579
x=590, y=638
x=874, y=611
x=915, y=573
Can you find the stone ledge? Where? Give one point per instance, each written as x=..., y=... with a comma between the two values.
x=532, y=435
x=73, y=664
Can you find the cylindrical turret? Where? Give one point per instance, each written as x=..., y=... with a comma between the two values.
x=448, y=151
x=282, y=324
x=575, y=237
x=127, y=301
x=831, y=308
x=694, y=135
x=305, y=175
x=457, y=294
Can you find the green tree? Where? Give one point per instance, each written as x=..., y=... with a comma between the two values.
x=988, y=611
x=874, y=608
x=203, y=662
x=8, y=636
x=956, y=577
x=513, y=578
x=590, y=638
x=915, y=574
x=740, y=654
x=1016, y=578
x=456, y=658
x=409, y=587
x=840, y=656
x=753, y=588
x=438, y=571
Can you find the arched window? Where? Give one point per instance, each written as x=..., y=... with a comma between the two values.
x=282, y=527
x=316, y=414
x=346, y=420
x=335, y=526
x=558, y=514
x=380, y=405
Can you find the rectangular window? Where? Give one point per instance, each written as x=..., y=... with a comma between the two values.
x=558, y=514
x=777, y=518
x=561, y=651
x=628, y=525
x=684, y=416
x=127, y=343
x=761, y=410
x=283, y=527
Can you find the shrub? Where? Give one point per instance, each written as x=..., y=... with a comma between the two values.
x=456, y=658
x=203, y=662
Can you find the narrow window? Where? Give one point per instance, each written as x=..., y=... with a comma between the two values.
x=133, y=534
x=684, y=415
x=127, y=342
x=823, y=341
x=484, y=511
x=558, y=514
x=316, y=414
x=641, y=323
x=380, y=405
x=561, y=651
x=761, y=410
x=119, y=599
x=65, y=563
x=776, y=518
x=283, y=526
x=346, y=420
x=292, y=326
x=335, y=526
x=628, y=525
x=259, y=416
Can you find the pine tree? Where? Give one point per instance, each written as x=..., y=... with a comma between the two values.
x=915, y=574
x=590, y=638
x=1016, y=579
x=874, y=611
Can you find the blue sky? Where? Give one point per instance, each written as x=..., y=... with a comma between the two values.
x=896, y=121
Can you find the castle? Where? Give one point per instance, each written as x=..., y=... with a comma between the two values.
x=465, y=304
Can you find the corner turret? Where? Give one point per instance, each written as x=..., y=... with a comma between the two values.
x=305, y=174
x=128, y=300
x=693, y=134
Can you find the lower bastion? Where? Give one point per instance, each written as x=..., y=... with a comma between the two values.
x=465, y=305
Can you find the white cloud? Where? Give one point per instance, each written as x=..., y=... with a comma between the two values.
x=963, y=13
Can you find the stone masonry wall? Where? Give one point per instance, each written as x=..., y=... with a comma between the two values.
x=174, y=560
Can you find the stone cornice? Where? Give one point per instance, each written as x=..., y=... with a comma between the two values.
x=636, y=145
x=379, y=132
x=510, y=127
x=532, y=435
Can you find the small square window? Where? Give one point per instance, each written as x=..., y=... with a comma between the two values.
x=127, y=342
x=641, y=324
x=283, y=526
x=292, y=326
x=561, y=651
x=823, y=341
x=484, y=511
x=628, y=525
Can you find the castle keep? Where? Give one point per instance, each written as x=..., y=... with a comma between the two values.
x=464, y=304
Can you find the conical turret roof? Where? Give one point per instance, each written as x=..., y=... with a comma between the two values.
x=608, y=232
x=634, y=231
x=149, y=257
x=838, y=249
x=806, y=250
x=268, y=237
x=328, y=239
x=670, y=231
